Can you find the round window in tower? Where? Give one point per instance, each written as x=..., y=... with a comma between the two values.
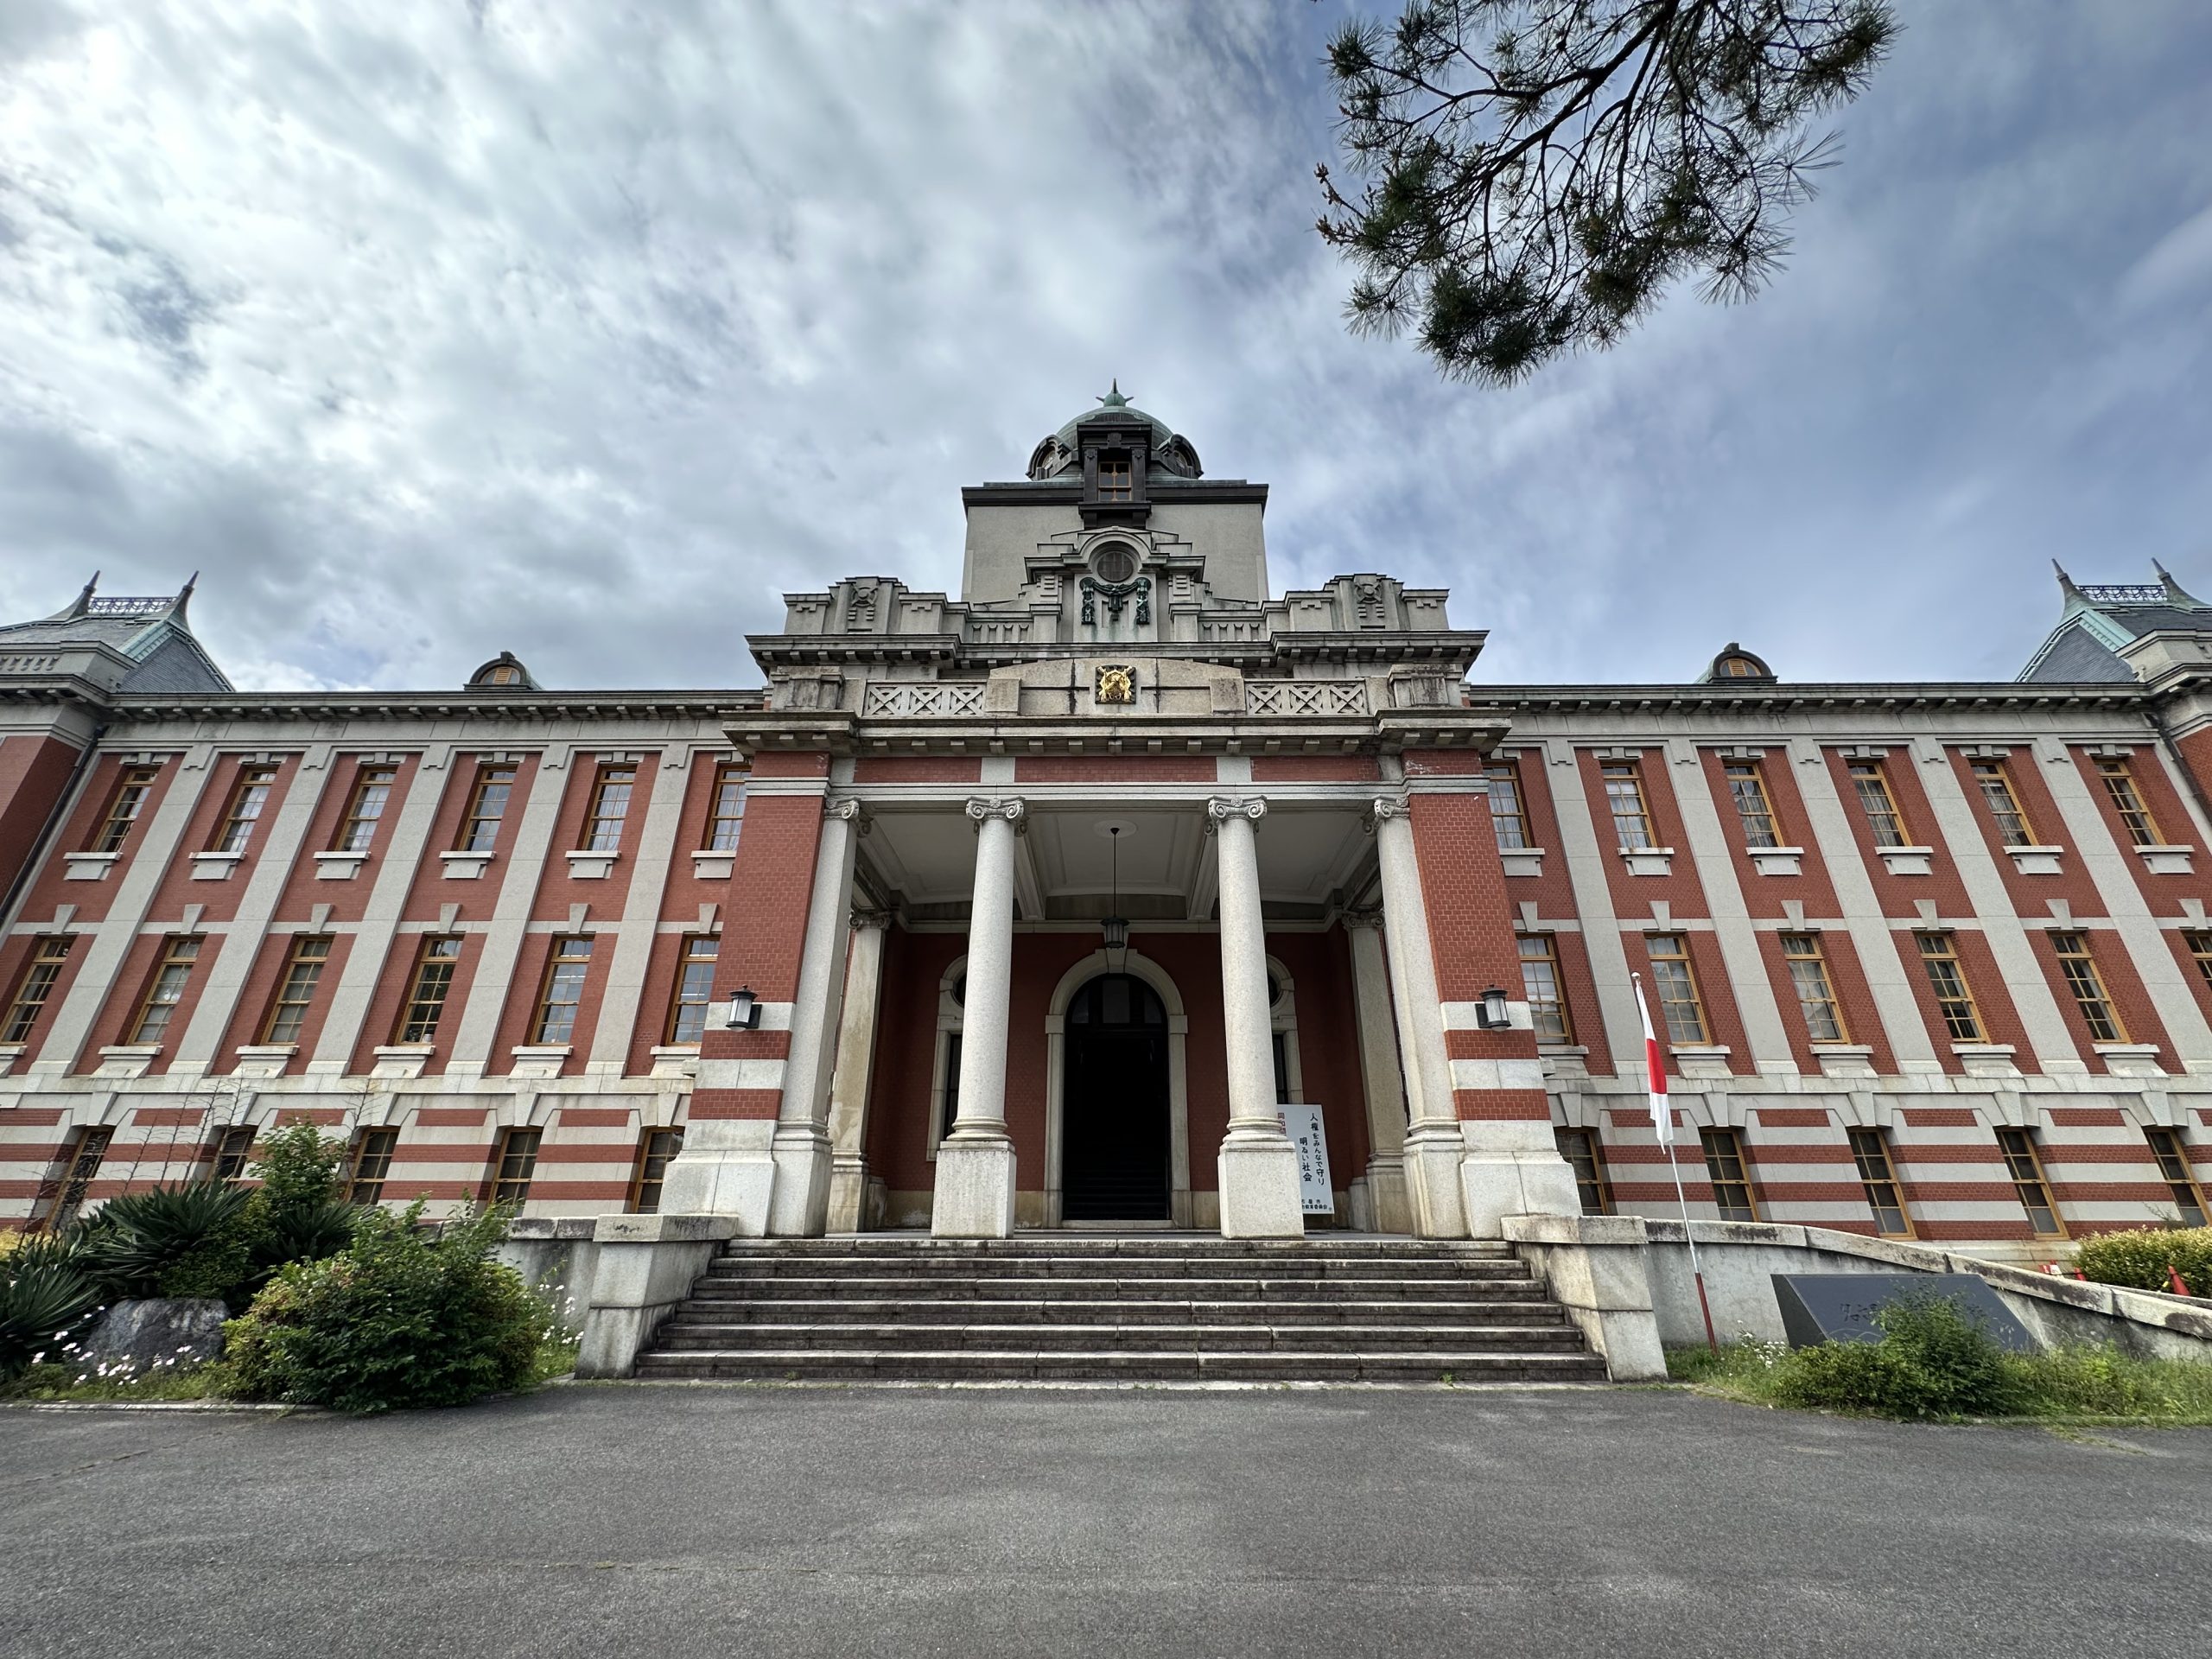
x=1115, y=563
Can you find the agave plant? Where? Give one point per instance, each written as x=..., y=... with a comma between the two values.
x=141, y=1239
x=43, y=1299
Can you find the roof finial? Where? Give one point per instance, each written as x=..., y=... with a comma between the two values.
x=1113, y=399
x=2175, y=593
x=177, y=605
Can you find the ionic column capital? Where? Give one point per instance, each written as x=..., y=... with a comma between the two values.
x=1379, y=809
x=863, y=917
x=1371, y=916
x=1012, y=808
x=848, y=811
x=1221, y=808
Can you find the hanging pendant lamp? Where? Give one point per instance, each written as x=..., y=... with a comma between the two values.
x=1115, y=927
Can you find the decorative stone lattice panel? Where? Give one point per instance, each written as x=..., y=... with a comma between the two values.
x=1294, y=698
x=925, y=699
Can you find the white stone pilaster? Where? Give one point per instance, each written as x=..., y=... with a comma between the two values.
x=975, y=1163
x=1435, y=1147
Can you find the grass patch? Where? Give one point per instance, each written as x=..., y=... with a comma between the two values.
x=83, y=1385
x=555, y=1359
x=2078, y=1384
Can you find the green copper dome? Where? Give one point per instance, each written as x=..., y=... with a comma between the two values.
x=1114, y=404
x=1172, y=454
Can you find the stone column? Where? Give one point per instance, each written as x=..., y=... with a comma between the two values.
x=1379, y=1072
x=798, y=1206
x=855, y=1073
x=1258, y=1166
x=975, y=1163
x=1433, y=1146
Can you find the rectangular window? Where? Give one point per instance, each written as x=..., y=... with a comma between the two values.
x=371, y=790
x=513, y=1165
x=1939, y=956
x=426, y=990
x=1724, y=1166
x=610, y=805
x=564, y=990
x=1114, y=478
x=1281, y=1045
x=2087, y=987
x=35, y=986
x=295, y=990
x=372, y=1150
x=1884, y=1196
x=1808, y=978
x=727, y=820
x=1505, y=815
x=60, y=1197
x=655, y=1148
x=2026, y=1171
x=137, y=782
x=246, y=803
x=2127, y=801
x=1579, y=1148
x=2200, y=953
x=1625, y=799
x=1754, y=810
x=695, y=990
x=487, y=805
x=171, y=974
x=230, y=1153
x=948, y=1102
x=1676, y=981
x=2172, y=1155
x=1872, y=785
x=1540, y=982
x=1996, y=786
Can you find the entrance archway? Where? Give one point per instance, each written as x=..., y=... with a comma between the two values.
x=1115, y=1132
x=1131, y=965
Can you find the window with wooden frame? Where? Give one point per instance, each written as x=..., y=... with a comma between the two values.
x=1676, y=981
x=2025, y=1168
x=165, y=989
x=610, y=807
x=1585, y=1157
x=1870, y=1150
x=230, y=1153
x=563, y=990
x=36, y=985
x=726, y=816
x=1540, y=983
x=1506, y=817
x=1754, y=810
x=2005, y=811
x=436, y=959
x=1872, y=785
x=695, y=990
x=1725, y=1167
x=371, y=1166
x=296, y=987
x=1625, y=800
x=63, y=1195
x=1809, y=978
x=123, y=808
x=2087, y=986
x=364, y=809
x=2127, y=801
x=513, y=1166
x=1938, y=959
x=2172, y=1154
x=248, y=796
x=2200, y=953
x=487, y=807
x=1113, y=481
x=656, y=1149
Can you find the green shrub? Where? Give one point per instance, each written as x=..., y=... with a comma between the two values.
x=1934, y=1360
x=2140, y=1258
x=44, y=1302
x=189, y=1240
x=400, y=1318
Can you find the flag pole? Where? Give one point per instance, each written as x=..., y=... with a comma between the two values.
x=1663, y=1123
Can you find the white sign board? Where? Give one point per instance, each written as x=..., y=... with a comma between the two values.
x=1302, y=1124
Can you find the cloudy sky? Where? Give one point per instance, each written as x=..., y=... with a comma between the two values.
x=440, y=327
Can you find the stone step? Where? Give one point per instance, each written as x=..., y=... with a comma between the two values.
x=1110, y=1338
x=1014, y=1366
x=1122, y=1245
x=1530, y=1308
x=763, y=1266
x=1119, y=1289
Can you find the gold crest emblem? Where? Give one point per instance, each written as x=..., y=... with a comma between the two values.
x=1117, y=682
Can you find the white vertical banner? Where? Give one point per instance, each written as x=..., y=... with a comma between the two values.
x=1302, y=1124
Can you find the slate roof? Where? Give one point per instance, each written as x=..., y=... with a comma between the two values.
x=2084, y=648
x=152, y=633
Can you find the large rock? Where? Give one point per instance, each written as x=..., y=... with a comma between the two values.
x=185, y=1331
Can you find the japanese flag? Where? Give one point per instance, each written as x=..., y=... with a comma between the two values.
x=1655, y=1068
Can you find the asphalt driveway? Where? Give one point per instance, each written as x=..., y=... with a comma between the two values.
x=711, y=1520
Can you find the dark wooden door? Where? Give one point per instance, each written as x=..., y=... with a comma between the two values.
x=1113, y=1121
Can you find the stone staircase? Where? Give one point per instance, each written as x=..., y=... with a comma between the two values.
x=1123, y=1307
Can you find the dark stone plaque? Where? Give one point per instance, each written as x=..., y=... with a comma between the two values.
x=1840, y=1306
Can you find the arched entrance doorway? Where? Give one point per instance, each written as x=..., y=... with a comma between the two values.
x=1116, y=1132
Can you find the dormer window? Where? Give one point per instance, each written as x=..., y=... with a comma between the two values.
x=1114, y=477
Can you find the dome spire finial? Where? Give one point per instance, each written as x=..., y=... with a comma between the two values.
x=1113, y=399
